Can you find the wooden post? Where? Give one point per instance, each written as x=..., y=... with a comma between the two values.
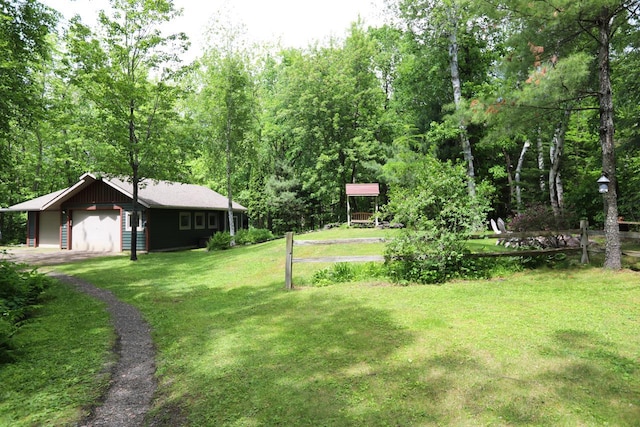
x=584, y=240
x=288, y=266
x=348, y=212
x=376, y=212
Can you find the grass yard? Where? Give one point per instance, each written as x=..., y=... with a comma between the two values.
x=60, y=356
x=546, y=347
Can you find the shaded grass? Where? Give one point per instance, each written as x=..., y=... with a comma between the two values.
x=536, y=348
x=60, y=356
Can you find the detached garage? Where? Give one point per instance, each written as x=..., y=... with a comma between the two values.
x=95, y=214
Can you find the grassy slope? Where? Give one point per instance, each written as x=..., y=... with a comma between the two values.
x=60, y=356
x=536, y=348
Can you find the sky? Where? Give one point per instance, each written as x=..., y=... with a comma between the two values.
x=294, y=23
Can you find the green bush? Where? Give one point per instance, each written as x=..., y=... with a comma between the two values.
x=219, y=241
x=19, y=292
x=432, y=200
x=253, y=236
x=426, y=258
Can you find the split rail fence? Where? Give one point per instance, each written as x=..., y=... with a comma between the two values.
x=290, y=260
x=583, y=231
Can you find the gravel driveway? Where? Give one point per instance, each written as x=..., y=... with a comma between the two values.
x=40, y=256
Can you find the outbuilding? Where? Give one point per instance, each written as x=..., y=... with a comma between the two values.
x=95, y=215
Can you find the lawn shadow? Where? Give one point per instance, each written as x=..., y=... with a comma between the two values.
x=593, y=378
x=275, y=356
x=242, y=351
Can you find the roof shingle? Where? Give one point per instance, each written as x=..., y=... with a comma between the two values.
x=151, y=194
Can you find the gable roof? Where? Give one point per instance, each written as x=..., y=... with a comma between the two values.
x=34, y=204
x=151, y=194
x=372, y=189
x=166, y=194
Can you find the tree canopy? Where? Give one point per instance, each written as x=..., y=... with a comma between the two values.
x=536, y=99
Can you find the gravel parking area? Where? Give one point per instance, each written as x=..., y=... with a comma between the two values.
x=40, y=257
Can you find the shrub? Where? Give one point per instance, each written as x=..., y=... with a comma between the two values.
x=427, y=258
x=540, y=217
x=431, y=198
x=19, y=293
x=222, y=240
x=219, y=241
x=253, y=236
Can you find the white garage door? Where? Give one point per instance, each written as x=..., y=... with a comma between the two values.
x=97, y=231
x=49, y=229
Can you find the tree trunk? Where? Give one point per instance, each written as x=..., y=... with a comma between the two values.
x=133, y=160
x=556, y=195
x=38, y=169
x=523, y=152
x=541, y=161
x=507, y=161
x=457, y=98
x=232, y=228
x=612, y=258
x=134, y=216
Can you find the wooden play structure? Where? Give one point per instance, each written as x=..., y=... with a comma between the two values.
x=362, y=190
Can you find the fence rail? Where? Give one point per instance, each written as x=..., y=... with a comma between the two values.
x=583, y=231
x=290, y=260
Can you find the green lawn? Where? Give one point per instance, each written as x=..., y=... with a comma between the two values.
x=59, y=367
x=548, y=347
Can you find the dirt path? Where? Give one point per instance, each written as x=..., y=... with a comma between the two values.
x=133, y=382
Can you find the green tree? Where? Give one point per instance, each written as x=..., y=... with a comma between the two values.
x=24, y=29
x=588, y=26
x=326, y=118
x=225, y=109
x=434, y=21
x=126, y=70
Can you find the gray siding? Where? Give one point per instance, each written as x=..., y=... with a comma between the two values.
x=141, y=243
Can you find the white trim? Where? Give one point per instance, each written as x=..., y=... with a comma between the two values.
x=127, y=221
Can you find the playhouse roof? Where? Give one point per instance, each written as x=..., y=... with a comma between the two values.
x=371, y=189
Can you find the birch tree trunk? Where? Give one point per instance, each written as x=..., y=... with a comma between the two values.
x=556, y=195
x=457, y=98
x=541, y=161
x=519, y=166
x=232, y=227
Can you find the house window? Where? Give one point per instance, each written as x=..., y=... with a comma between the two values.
x=185, y=220
x=213, y=220
x=198, y=220
x=128, y=221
